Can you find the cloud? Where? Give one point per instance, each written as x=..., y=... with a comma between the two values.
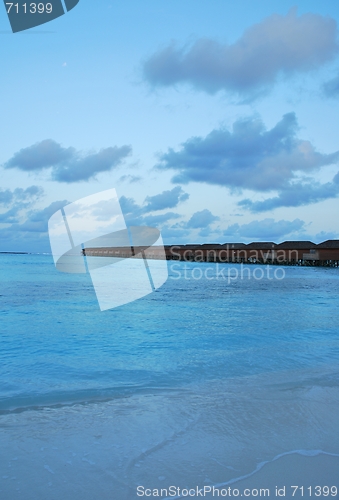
x=67, y=164
x=86, y=167
x=175, y=234
x=266, y=229
x=331, y=88
x=249, y=156
x=17, y=241
x=136, y=214
x=167, y=199
x=324, y=235
x=44, y=154
x=27, y=228
x=38, y=219
x=30, y=235
x=201, y=219
x=178, y=232
x=295, y=195
x=27, y=195
x=130, y=178
x=278, y=45
x=9, y=217
x=197, y=228
x=17, y=200
x=130, y=207
x=155, y=220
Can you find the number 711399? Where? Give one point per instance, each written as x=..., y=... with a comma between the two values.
x=317, y=491
x=29, y=8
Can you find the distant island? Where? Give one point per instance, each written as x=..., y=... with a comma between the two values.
x=15, y=253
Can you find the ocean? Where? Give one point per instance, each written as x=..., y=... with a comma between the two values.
x=210, y=380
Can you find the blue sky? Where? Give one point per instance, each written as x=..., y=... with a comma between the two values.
x=215, y=121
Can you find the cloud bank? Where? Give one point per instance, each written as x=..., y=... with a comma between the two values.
x=141, y=215
x=67, y=164
x=278, y=45
x=295, y=195
x=252, y=157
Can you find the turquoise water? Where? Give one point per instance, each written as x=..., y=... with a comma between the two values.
x=200, y=383
x=56, y=345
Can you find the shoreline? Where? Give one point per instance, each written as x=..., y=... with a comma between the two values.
x=184, y=448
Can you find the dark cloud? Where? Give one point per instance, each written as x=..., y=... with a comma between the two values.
x=278, y=45
x=67, y=164
x=331, y=88
x=201, y=219
x=267, y=229
x=167, y=199
x=249, y=156
x=295, y=195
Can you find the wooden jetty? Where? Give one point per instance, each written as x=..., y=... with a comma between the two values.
x=301, y=253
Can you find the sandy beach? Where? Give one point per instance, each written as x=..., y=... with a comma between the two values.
x=239, y=435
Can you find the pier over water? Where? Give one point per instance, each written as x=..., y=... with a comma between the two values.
x=302, y=253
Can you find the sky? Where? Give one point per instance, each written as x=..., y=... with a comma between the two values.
x=215, y=121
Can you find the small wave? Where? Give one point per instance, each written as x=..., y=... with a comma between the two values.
x=305, y=453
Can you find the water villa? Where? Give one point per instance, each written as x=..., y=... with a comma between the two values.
x=304, y=253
